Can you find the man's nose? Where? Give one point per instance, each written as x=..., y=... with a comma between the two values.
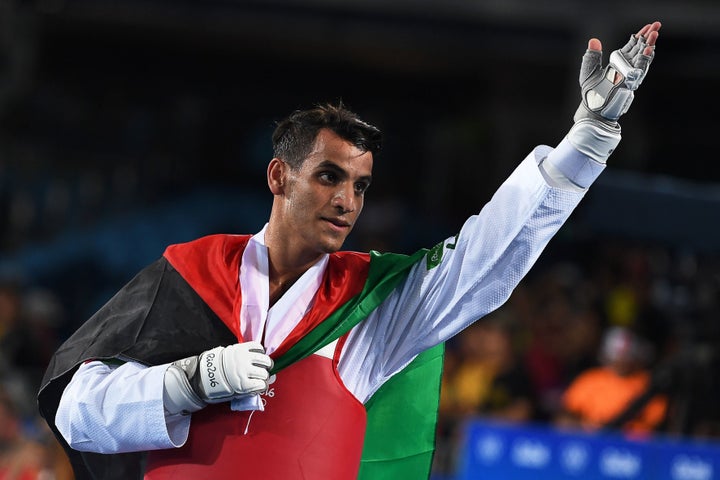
x=344, y=199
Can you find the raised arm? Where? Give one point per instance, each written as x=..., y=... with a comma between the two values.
x=472, y=274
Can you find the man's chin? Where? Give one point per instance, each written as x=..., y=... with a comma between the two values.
x=327, y=248
x=333, y=245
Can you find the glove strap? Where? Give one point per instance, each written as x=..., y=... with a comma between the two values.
x=178, y=396
x=206, y=376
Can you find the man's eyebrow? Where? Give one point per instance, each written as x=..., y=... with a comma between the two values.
x=330, y=165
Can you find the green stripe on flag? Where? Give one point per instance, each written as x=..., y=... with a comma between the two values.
x=386, y=271
x=401, y=422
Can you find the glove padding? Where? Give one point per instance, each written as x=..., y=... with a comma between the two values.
x=215, y=376
x=608, y=92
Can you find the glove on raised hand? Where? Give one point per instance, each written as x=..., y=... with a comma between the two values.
x=608, y=92
x=215, y=376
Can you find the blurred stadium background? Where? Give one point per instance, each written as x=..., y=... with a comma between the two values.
x=128, y=125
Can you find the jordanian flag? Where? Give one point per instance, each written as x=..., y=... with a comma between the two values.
x=188, y=301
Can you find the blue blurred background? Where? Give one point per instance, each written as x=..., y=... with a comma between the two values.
x=128, y=125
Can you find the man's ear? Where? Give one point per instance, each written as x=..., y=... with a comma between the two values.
x=276, y=174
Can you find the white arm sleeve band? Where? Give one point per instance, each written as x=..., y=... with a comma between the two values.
x=568, y=168
x=594, y=139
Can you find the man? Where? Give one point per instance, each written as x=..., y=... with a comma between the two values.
x=277, y=356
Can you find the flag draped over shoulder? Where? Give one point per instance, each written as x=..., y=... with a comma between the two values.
x=184, y=303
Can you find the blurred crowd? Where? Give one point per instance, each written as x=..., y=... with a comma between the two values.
x=29, y=321
x=625, y=340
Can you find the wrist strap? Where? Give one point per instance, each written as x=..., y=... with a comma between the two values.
x=178, y=395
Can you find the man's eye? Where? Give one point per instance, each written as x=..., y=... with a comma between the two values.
x=361, y=187
x=328, y=177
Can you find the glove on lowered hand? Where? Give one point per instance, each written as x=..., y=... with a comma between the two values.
x=215, y=376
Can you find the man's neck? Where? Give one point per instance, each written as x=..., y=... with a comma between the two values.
x=285, y=268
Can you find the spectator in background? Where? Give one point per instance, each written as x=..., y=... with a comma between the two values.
x=21, y=458
x=629, y=278
x=28, y=338
x=565, y=328
x=483, y=376
x=509, y=396
x=10, y=304
x=600, y=395
x=13, y=380
x=490, y=380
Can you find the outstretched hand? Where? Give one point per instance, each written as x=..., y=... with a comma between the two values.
x=608, y=92
x=649, y=33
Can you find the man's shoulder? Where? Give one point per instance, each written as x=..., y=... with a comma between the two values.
x=213, y=241
x=209, y=244
x=216, y=250
x=377, y=264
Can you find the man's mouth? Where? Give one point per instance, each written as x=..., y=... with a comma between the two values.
x=338, y=223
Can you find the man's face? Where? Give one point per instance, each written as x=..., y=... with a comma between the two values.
x=324, y=197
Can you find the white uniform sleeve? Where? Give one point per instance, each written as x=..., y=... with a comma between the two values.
x=467, y=276
x=115, y=409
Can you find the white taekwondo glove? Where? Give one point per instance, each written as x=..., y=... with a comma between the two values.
x=607, y=93
x=215, y=376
